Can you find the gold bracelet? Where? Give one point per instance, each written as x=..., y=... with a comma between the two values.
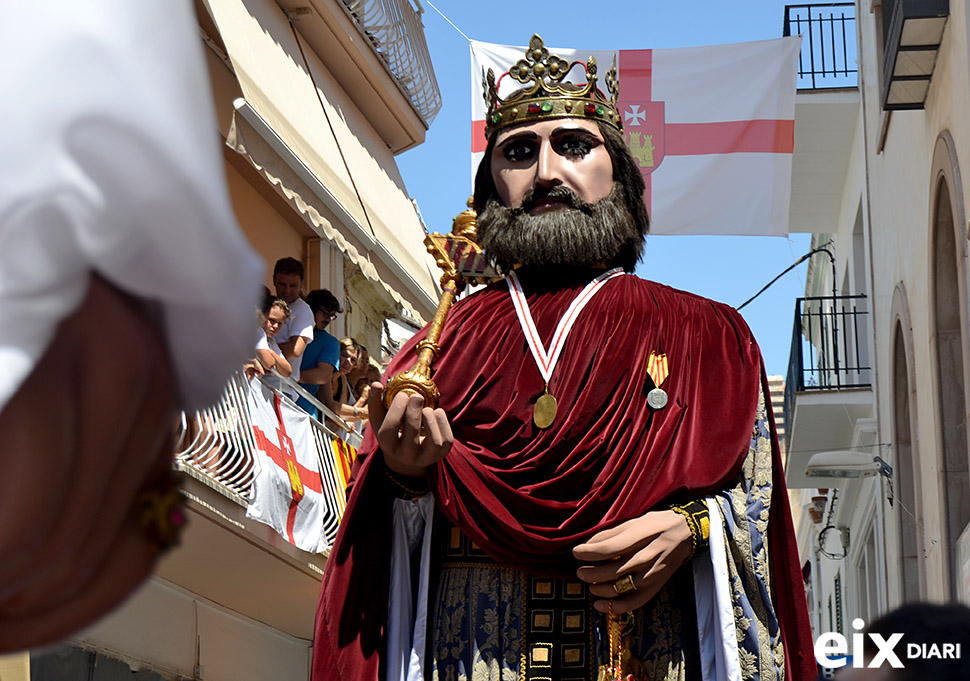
x=403, y=491
x=698, y=521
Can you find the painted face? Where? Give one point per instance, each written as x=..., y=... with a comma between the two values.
x=568, y=152
x=274, y=320
x=288, y=286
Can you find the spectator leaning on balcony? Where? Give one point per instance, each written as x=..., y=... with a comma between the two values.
x=114, y=220
x=372, y=374
x=344, y=397
x=322, y=356
x=611, y=507
x=350, y=351
x=297, y=332
x=268, y=352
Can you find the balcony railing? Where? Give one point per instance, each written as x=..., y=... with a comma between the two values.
x=828, y=56
x=912, y=33
x=828, y=347
x=396, y=33
x=217, y=445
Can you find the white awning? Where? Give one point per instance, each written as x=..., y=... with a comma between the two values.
x=319, y=152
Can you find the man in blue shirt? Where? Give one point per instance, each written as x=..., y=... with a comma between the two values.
x=322, y=356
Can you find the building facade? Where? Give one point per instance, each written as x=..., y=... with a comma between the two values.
x=880, y=350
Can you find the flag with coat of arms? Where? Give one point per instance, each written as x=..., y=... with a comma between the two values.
x=290, y=491
x=712, y=128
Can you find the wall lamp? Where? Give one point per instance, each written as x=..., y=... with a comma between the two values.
x=846, y=463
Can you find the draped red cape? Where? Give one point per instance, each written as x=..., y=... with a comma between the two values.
x=528, y=496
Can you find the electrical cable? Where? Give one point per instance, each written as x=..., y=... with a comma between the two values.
x=820, y=249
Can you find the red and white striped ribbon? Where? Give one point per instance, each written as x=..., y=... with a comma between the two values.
x=546, y=360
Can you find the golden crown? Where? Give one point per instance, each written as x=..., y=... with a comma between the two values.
x=549, y=95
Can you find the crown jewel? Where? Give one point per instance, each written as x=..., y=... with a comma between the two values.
x=549, y=95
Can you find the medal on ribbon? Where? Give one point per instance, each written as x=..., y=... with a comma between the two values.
x=657, y=369
x=544, y=412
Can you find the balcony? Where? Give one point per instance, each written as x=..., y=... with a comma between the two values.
x=376, y=51
x=912, y=33
x=397, y=35
x=828, y=56
x=829, y=385
x=231, y=576
x=827, y=112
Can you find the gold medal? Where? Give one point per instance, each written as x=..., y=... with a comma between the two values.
x=544, y=413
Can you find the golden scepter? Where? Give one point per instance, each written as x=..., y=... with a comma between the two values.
x=463, y=262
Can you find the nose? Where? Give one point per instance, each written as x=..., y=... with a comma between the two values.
x=549, y=170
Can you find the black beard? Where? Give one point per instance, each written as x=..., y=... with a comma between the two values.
x=580, y=235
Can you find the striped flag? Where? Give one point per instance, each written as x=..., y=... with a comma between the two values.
x=712, y=128
x=343, y=457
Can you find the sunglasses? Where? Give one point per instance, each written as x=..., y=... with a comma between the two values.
x=329, y=313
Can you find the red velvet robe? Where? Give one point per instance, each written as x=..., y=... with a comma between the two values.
x=528, y=496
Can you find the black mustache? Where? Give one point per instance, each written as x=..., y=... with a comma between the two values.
x=558, y=192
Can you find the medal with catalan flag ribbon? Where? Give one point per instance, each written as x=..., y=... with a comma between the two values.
x=544, y=412
x=657, y=368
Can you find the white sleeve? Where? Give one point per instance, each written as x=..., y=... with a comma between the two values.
x=263, y=342
x=115, y=168
x=303, y=323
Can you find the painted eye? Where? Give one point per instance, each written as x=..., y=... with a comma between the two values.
x=519, y=150
x=575, y=146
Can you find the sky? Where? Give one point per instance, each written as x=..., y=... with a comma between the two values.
x=729, y=269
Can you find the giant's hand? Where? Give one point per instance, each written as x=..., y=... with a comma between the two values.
x=411, y=436
x=649, y=549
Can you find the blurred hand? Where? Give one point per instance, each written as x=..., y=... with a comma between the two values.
x=649, y=549
x=411, y=436
x=88, y=430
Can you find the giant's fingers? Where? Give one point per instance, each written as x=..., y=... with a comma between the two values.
x=411, y=428
x=433, y=437
x=388, y=429
x=375, y=406
x=625, y=538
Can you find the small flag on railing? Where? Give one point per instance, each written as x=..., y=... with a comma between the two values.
x=343, y=456
x=288, y=492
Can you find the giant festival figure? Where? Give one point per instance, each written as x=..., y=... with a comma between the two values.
x=599, y=492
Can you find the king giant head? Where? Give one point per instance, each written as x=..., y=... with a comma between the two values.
x=557, y=186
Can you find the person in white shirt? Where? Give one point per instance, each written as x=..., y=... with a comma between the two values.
x=297, y=331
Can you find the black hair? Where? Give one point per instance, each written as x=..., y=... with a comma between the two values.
x=289, y=266
x=322, y=299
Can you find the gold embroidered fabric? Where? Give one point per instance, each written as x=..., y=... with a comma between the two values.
x=491, y=623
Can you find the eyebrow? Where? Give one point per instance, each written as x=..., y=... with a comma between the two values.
x=558, y=132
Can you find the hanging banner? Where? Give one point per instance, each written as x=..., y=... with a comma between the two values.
x=288, y=492
x=712, y=128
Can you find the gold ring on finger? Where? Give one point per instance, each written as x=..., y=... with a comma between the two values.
x=624, y=585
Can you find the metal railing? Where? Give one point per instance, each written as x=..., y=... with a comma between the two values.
x=829, y=350
x=218, y=442
x=395, y=31
x=906, y=88
x=828, y=56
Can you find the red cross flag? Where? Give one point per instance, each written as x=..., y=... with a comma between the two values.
x=288, y=489
x=712, y=128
